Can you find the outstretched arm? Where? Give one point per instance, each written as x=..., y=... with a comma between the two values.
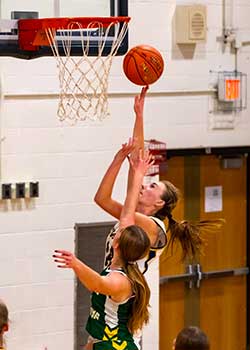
x=103, y=195
x=138, y=130
x=139, y=167
x=112, y=284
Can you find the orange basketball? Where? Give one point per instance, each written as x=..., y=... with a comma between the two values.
x=143, y=65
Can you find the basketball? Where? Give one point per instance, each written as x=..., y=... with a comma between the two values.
x=143, y=65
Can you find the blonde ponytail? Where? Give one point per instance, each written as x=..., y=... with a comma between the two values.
x=134, y=244
x=140, y=312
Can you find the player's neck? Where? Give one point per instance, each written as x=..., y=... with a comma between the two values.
x=116, y=262
x=146, y=210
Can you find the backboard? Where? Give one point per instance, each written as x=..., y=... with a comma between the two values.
x=13, y=10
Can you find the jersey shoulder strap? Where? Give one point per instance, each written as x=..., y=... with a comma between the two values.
x=159, y=222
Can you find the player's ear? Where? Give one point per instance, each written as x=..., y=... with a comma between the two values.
x=159, y=203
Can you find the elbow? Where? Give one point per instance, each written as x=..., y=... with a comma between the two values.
x=98, y=199
x=101, y=198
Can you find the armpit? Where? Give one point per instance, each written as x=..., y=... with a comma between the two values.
x=160, y=241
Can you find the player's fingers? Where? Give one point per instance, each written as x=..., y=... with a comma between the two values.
x=63, y=252
x=131, y=141
x=152, y=161
x=150, y=157
x=62, y=261
x=146, y=154
x=63, y=266
x=144, y=90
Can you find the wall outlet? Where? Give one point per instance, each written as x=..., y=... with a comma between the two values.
x=34, y=189
x=6, y=191
x=20, y=190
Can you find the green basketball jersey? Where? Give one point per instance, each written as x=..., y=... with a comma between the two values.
x=108, y=320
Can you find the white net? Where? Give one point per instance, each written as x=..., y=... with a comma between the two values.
x=84, y=79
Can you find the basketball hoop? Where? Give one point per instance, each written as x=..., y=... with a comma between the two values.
x=83, y=79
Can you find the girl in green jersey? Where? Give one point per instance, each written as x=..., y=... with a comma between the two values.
x=120, y=294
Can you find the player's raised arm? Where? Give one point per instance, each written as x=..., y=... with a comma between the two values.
x=138, y=130
x=138, y=168
x=103, y=196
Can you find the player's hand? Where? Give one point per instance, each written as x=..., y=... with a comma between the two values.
x=142, y=162
x=126, y=150
x=64, y=259
x=139, y=101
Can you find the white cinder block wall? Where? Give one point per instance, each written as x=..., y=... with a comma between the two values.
x=69, y=161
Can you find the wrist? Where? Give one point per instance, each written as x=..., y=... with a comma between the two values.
x=118, y=160
x=139, y=114
x=77, y=265
x=138, y=176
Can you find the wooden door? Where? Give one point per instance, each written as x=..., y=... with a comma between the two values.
x=217, y=302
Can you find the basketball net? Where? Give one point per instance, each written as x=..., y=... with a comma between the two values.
x=83, y=79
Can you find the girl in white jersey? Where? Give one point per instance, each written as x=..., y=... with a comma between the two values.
x=155, y=204
x=120, y=295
